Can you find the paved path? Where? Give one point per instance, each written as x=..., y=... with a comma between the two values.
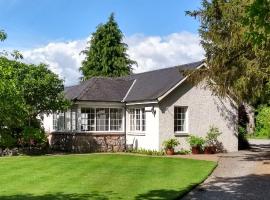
x=240, y=175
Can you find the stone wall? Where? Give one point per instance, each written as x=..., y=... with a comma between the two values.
x=87, y=142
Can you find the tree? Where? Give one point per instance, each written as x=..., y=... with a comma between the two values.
x=106, y=54
x=236, y=64
x=27, y=90
x=40, y=89
x=3, y=35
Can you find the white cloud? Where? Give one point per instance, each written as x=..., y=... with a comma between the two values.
x=62, y=58
x=150, y=52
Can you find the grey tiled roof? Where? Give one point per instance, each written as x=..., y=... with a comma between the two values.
x=148, y=86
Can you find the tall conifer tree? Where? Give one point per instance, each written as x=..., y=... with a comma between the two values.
x=106, y=54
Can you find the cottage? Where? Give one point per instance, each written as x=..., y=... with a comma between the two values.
x=141, y=110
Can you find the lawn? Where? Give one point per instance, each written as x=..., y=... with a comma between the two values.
x=99, y=176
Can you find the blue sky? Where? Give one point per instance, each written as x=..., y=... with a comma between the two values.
x=30, y=23
x=54, y=32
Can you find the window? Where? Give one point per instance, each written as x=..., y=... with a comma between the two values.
x=101, y=119
x=55, y=121
x=73, y=120
x=137, y=119
x=116, y=115
x=87, y=119
x=61, y=122
x=180, y=119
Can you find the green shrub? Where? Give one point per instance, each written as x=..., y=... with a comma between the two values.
x=195, y=141
x=263, y=122
x=242, y=138
x=183, y=152
x=147, y=152
x=171, y=143
x=33, y=136
x=211, y=137
x=6, y=140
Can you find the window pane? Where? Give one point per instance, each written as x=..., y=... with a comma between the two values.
x=87, y=119
x=67, y=121
x=102, y=118
x=143, y=119
x=138, y=119
x=132, y=119
x=180, y=119
x=116, y=115
x=55, y=120
x=61, y=121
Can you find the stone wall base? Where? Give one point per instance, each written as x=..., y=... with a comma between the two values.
x=87, y=142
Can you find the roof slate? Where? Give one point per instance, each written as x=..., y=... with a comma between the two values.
x=148, y=86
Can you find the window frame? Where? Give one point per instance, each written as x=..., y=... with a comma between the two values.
x=109, y=120
x=132, y=114
x=186, y=121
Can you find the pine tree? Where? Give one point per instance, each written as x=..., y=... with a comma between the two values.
x=106, y=54
x=237, y=64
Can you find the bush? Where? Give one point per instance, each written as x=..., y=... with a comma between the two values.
x=196, y=141
x=33, y=136
x=171, y=143
x=147, y=152
x=6, y=140
x=242, y=138
x=211, y=137
x=183, y=152
x=263, y=122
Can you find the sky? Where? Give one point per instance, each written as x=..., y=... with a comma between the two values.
x=54, y=32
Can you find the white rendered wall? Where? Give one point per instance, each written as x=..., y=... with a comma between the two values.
x=204, y=110
x=150, y=138
x=48, y=123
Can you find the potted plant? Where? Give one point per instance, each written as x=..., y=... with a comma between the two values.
x=196, y=144
x=169, y=145
x=211, y=140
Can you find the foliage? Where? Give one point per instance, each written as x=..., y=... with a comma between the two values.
x=106, y=54
x=33, y=136
x=51, y=177
x=211, y=137
x=27, y=91
x=195, y=141
x=242, y=138
x=258, y=21
x=147, y=152
x=3, y=35
x=183, y=152
x=263, y=122
x=6, y=140
x=170, y=143
x=236, y=64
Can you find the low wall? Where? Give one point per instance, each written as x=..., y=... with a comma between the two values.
x=87, y=142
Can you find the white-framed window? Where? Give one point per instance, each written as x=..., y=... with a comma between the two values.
x=137, y=121
x=180, y=119
x=65, y=121
x=101, y=119
x=116, y=119
x=87, y=119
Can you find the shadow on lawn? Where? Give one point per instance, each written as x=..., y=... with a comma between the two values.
x=151, y=195
x=60, y=196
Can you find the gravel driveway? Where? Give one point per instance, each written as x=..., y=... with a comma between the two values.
x=240, y=175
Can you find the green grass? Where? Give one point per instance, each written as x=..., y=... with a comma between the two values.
x=99, y=176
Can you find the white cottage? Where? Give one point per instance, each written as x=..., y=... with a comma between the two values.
x=141, y=110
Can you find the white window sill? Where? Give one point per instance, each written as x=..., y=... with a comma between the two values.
x=136, y=133
x=181, y=133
